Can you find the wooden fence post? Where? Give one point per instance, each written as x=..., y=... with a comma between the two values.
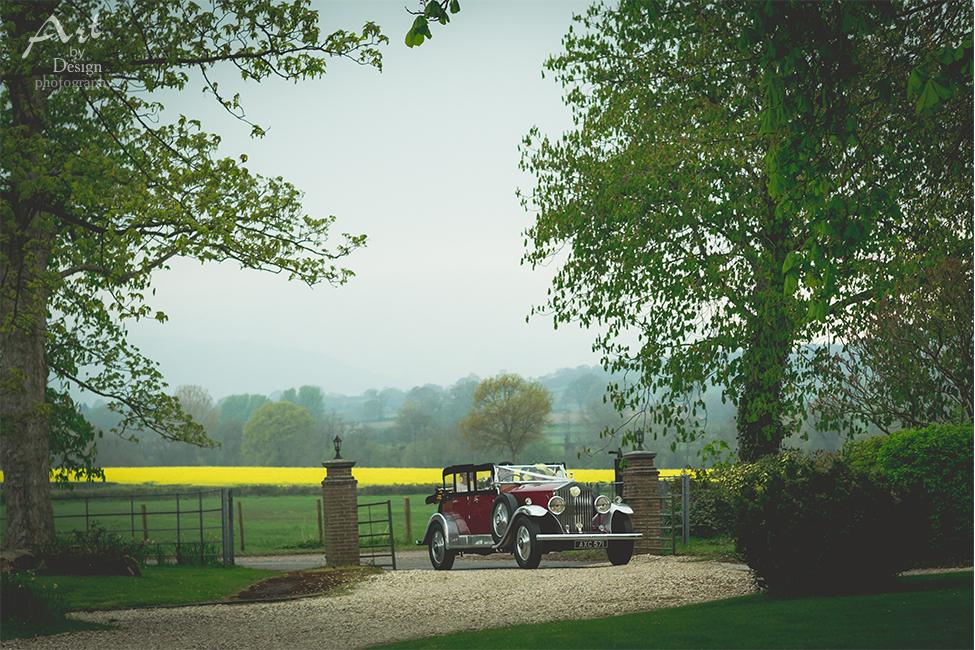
x=321, y=528
x=409, y=521
x=240, y=518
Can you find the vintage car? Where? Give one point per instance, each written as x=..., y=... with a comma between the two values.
x=527, y=510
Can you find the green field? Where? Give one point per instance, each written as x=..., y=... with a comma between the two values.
x=272, y=524
x=290, y=523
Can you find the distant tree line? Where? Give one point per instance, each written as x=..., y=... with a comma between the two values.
x=395, y=428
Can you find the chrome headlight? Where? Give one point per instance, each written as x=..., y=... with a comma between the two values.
x=602, y=504
x=556, y=505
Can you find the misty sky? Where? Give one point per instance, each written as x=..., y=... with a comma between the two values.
x=422, y=158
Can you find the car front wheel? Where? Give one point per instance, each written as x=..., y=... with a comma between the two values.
x=440, y=556
x=620, y=551
x=528, y=550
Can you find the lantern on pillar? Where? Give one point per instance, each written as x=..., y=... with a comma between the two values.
x=337, y=443
x=638, y=436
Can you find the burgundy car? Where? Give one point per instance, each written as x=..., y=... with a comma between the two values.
x=527, y=510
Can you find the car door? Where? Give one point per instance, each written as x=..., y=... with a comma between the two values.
x=471, y=504
x=480, y=502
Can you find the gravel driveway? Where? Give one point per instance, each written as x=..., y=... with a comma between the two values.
x=409, y=604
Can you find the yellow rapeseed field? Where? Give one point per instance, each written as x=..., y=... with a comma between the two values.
x=230, y=476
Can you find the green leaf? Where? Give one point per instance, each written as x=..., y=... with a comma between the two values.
x=791, y=282
x=419, y=32
x=817, y=310
x=790, y=261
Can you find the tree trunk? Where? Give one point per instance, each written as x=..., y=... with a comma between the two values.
x=25, y=432
x=760, y=409
x=24, y=443
x=765, y=360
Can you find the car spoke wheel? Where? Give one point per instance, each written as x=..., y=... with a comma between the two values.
x=528, y=550
x=441, y=557
x=501, y=513
x=620, y=551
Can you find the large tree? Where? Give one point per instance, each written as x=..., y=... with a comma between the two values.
x=509, y=414
x=282, y=434
x=741, y=177
x=101, y=189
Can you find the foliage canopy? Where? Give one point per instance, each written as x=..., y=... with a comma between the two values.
x=101, y=189
x=743, y=177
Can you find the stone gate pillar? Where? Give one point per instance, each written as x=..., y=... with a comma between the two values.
x=340, y=513
x=641, y=489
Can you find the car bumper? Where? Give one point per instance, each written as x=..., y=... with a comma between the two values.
x=587, y=537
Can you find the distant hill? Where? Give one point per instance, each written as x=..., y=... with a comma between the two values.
x=236, y=367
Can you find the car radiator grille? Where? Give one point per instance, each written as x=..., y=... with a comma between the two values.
x=578, y=510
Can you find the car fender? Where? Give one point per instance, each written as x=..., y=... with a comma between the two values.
x=447, y=523
x=620, y=507
x=613, y=513
x=604, y=521
x=533, y=511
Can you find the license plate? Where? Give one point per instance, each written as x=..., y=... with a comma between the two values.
x=589, y=543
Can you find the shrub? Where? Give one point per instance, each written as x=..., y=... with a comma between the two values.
x=26, y=603
x=814, y=526
x=710, y=507
x=96, y=551
x=202, y=553
x=930, y=471
x=864, y=454
x=935, y=466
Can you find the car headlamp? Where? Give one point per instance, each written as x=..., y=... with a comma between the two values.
x=602, y=504
x=556, y=505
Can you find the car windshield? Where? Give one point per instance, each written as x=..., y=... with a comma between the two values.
x=531, y=473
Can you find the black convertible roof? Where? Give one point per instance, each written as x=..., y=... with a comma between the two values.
x=455, y=469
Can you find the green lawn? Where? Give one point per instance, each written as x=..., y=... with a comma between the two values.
x=924, y=612
x=158, y=585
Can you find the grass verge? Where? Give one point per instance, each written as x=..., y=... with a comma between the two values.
x=161, y=586
x=717, y=549
x=158, y=585
x=930, y=611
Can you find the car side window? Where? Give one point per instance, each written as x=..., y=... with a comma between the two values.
x=484, y=481
x=461, y=483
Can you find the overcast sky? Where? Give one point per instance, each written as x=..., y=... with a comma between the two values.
x=423, y=159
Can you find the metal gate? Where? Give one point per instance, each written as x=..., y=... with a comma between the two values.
x=376, y=534
x=186, y=526
x=673, y=510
